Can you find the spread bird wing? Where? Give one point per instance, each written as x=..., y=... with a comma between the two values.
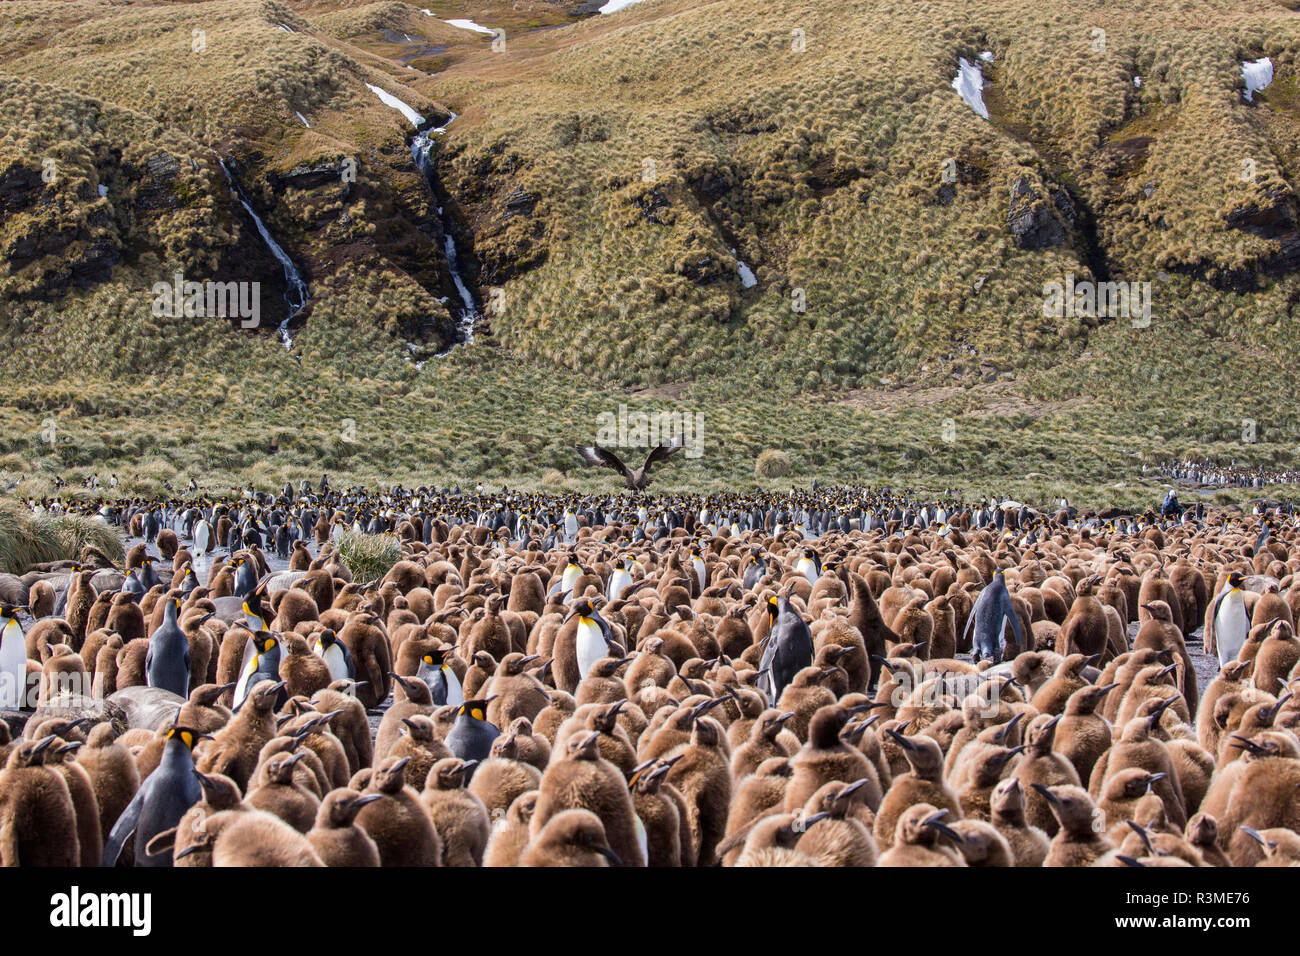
x=124, y=827
x=603, y=458
x=663, y=452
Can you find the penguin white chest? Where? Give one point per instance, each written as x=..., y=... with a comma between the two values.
x=13, y=666
x=590, y=645
x=807, y=569
x=617, y=582
x=571, y=574
x=701, y=573
x=455, y=695
x=334, y=660
x=1231, y=625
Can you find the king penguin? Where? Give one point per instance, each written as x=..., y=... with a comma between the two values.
x=809, y=566
x=13, y=660
x=335, y=654
x=160, y=802
x=619, y=579
x=1229, y=620
x=471, y=736
x=167, y=662
x=593, y=637
x=993, y=609
x=261, y=662
x=789, y=647
x=437, y=674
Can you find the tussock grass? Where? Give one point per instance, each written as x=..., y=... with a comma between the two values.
x=368, y=556
x=27, y=539
x=821, y=169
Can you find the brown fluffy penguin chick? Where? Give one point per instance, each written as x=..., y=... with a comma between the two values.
x=515, y=691
x=659, y=815
x=503, y=777
x=234, y=749
x=840, y=838
x=1119, y=799
x=1029, y=845
x=457, y=814
x=825, y=757
x=1052, y=696
x=534, y=748
x=583, y=779
x=281, y=795
x=303, y=672
x=1139, y=747
x=419, y=741
x=398, y=823
x=982, y=844
x=703, y=777
x=349, y=724
x=805, y=695
x=113, y=776
x=773, y=841
x=1081, y=834
x=1083, y=735
x=257, y=838
x=61, y=758
x=200, y=825
x=764, y=743
x=1042, y=765
x=1280, y=846
x=38, y=824
x=923, y=838
x=411, y=697
x=203, y=711
x=1203, y=834
x=571, y=838
x=923, y=783
x=756, y=795
x=336, y=838
x=984, y=773
x=510, y=835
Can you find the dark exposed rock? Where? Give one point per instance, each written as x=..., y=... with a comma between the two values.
x=1031, y=219
x=308, y=176
x=520, y=202
x=653, y=204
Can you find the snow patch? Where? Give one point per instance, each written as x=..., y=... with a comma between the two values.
x=616, y=5
x=1137, y=82
x=469, y=25
x=987, y=56
x=746, y=275
x=284, y=28
x=968, y=83
x=103, y=191
x=1258, y=74
x=388, y=99
x=302, y=118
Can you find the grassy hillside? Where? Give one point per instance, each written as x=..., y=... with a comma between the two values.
x=606, y=176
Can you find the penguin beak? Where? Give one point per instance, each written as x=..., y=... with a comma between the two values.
x=364, y=799
x=853, y=788
x=935, y=822
x=1046, y=793
x=901, y=740
x=608, y=854
x=44, y=744
x=192, y=848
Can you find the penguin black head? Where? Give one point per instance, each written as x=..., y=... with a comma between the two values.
x=476, y=709
x=187, y=735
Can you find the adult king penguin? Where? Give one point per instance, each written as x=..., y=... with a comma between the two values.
x=167, y=662
x=1226, y=622
x=160, y=802
x=13, y=660
x=789, y=647
x=992, y=610
x=593, y=636
x=336, y=655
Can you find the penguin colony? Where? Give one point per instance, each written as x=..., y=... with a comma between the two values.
x=830, y=678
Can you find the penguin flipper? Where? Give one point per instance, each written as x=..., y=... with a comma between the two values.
x=123, y=828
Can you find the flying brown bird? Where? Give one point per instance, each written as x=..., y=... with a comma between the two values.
x=635, y=480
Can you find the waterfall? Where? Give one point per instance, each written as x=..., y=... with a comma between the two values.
x=296, y=294
x=468, y=311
